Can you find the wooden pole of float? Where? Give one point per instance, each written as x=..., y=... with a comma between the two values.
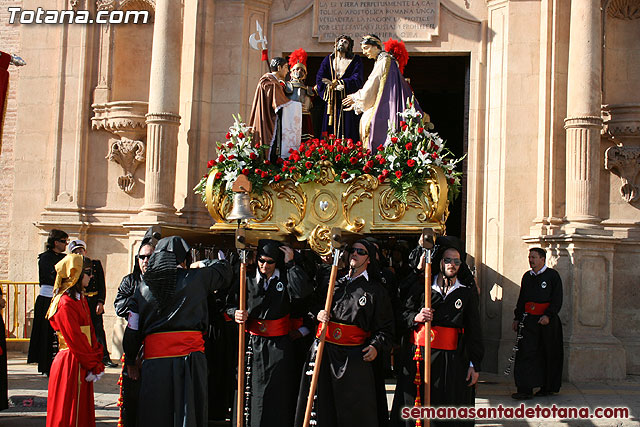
x=336, y=244
x=240, y=401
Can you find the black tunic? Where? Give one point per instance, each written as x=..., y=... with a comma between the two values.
x=273, y=358
x=346, y=393
x=43, y=344
x=449, y=368
x=540, y=353
x=130, y=389
x=173, y=390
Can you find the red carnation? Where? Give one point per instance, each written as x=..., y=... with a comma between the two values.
x=277, y=178
x=385, y=172
x=398, y=174
x=452, y=181
x=380, y=147
x=434, y=156
x=360, y=155
x=205, y=176
x=308, y=153
x=221, y=158
x=264, y=174
x=218, y=175
x=382, y=160
x=284, y=168
x=302, y=147
x=394, y=140
x=344, y=175
x=253, y=156
x=211, y=163
x=241, y=135
x=292, y=168
x=359, y=144
x=404, y=127
x=228, y=135
x=403, y=123
x=411, y=163
x=323, y=157
x=258, y=171
x=381, y=178
x=353, y=160
x=267, y=162
x=409, y=146
x=245, y=171
x=366, y=169
x=369, y=163
x=332, y=136
x=350, y=145
x=420, y=130
x=279, y=161
x=338, y=157
x=229, y=144
x=308, y=165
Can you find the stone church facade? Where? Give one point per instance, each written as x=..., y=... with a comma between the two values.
x=109, y=127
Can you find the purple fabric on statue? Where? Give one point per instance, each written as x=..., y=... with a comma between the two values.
x=353, y=80
x=393, y=101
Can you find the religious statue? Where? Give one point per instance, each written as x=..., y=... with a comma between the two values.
x=382, y=97
x=340, y=74
x=297, y=90
x=272, y=113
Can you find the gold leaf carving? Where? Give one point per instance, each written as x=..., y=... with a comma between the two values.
x=327, y=174
x=262, y=203
x=361, y=188
x=292, y=193
x=320, y=240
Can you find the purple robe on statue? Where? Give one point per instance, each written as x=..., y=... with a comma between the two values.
x=382, y=97
x=345, y=123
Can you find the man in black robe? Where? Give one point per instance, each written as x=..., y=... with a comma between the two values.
x=278, y=281
x=456, y=344
x=43, y=343
x=170, y=316
x=540, y=354
x=360, y=327
x=130, y=388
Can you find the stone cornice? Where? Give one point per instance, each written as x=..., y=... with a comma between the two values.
x=621, y=120
x=121, y=117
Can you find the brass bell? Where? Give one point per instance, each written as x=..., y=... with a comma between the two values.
x=241, y=207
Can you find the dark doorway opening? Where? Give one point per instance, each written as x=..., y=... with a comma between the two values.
x=441, y=85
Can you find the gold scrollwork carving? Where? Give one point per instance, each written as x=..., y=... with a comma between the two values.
x=293, y=194
x=262, y=203
x=389, y=202
x=327, y=174
x=361, y=188
x=320, y=240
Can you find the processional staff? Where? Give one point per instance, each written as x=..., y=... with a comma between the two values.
x=336, y=244
x=242, y=212
x=428, y=237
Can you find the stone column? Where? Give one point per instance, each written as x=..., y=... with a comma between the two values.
x=584, y=122
x=163, y=119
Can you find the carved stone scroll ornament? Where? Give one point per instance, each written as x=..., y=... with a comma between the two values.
x=129, y=154
x=624, y=162
x=108, y=5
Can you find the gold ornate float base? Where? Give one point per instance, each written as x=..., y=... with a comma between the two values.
x=309, y=210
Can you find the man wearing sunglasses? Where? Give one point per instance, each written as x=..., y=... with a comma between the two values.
x=123, y=303
x=456, y=339
x=360, y=326
x=271, y=291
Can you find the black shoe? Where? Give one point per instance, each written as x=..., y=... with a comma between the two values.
x=541, y=393
x=109, y=364
x=521, y=396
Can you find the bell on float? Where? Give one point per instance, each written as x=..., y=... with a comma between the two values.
x=241, y=201
x=241, y=207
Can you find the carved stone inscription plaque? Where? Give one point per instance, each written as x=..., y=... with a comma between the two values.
x=407, y=20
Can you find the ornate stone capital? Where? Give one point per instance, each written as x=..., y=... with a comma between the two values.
x=621, y=120
x=129, y=154
x=122, y=118
x=624, y=162
x=624, y=9
x=106, y=4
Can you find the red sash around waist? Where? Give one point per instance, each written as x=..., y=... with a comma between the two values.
x=536, y=308
x=442, y=338
x=172, y=344
x=227, y=318
x=269, y=328
x=295, y=323
x=341, y=334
